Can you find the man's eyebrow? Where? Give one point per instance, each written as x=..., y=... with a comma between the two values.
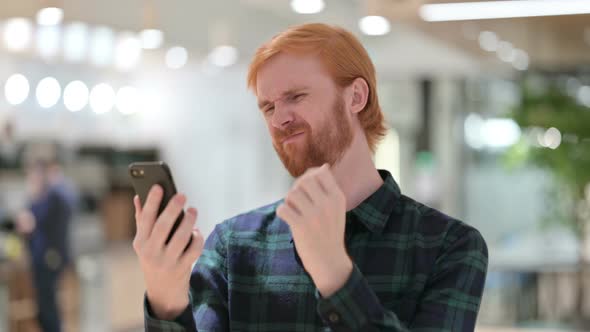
x=263, y=103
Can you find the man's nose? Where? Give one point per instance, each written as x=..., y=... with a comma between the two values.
x=282, y=117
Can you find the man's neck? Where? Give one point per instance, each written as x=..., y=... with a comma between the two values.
x=356, y=173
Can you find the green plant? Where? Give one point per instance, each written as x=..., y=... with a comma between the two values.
x=569, y=163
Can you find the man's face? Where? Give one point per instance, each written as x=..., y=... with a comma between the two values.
x=304, y=112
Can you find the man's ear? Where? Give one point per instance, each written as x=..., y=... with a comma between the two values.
x=360, y=95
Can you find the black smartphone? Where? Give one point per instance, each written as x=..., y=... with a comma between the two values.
x=144, y=175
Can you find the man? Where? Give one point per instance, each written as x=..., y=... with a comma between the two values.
x=46, y=225
x=345, y=250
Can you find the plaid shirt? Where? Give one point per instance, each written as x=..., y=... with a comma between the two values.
x=415, y=269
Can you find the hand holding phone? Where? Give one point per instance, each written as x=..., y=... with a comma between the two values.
x=165, y=241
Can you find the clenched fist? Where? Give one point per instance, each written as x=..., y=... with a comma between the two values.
x=315, y=210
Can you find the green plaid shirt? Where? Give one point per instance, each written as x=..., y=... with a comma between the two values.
x=415, y=269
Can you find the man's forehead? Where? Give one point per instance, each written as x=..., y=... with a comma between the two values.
x=286, y=72
x=276, y=91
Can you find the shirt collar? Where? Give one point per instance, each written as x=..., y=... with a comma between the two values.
x=375, y=210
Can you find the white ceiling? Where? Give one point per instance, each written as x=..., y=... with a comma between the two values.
x=202, y=24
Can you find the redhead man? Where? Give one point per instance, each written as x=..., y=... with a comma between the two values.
x=344, y=250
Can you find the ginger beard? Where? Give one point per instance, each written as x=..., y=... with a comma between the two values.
x=325, y=144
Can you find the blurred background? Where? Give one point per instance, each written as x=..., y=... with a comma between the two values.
x=488, y=105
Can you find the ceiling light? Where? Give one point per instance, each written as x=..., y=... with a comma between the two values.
x=151, y=38
x=501, y=9
x=307, y=6
x=50, y=16
x=75, y=41
x=374, y=25
x=102, y=98
x=16, y=89
x=101, y=46
x=48, y=92
x=223, y=56
x=48, y=40
x=127, y=51
x=76, y=96
x=18, y=33
x=176, y=57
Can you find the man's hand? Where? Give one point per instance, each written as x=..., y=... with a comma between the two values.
x=315, y=210
x=166, y=267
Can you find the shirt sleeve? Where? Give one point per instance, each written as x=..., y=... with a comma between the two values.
x=184, y=322
x=449, y=302
x=207, y=309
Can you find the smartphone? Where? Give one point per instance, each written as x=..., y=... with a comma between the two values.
x=144, y=175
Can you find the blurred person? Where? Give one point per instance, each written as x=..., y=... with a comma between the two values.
x=344, y=250
x=10, y=149
x=45, y=223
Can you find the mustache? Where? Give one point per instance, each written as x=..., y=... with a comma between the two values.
x=280, y=135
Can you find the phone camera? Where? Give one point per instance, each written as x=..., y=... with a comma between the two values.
x=137, y=173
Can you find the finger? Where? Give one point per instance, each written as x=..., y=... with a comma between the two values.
x=299, y=199
x=327, y=180
x=167, y=219
x=194, y=250
x=146, y=217
x=137, y=205
x=142, y=230
x=287, y=213
x=152, y=203
x=182, y=235
x=313, y=188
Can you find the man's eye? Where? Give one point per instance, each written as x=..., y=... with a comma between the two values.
x=299, y=96
x=269, y=109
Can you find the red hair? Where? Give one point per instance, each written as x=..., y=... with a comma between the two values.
x=345, y=59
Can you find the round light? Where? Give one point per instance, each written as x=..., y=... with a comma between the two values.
x=176, y=57
x=584, y=95
x=552, y=138
x=50, y=16
x=500, y=133
x=102, y=98
x=374, y=25
x=48, y=92
x=127, y=51
x=521, y=60
x=474, y=131
x=101, y=46
x=75, y=41
x=75, y=96
x=307, y=6
x=505, y=51
x=48, y=40
x=18, y=33
x=151, y=39
x=488, y=41
x=128, y=100
x=16, y=89
x=223, y=56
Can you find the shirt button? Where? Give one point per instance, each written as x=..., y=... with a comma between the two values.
x=334, y=317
